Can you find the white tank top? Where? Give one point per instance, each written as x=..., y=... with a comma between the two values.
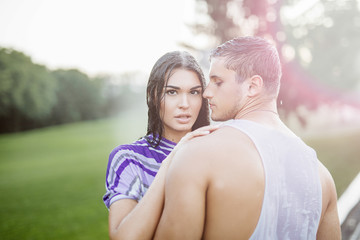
x=292, y=199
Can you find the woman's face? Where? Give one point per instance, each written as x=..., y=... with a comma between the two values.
x=181, y=103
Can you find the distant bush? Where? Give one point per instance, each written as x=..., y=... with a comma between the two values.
x=27, y=92
x=31, y=96
x=78, y=97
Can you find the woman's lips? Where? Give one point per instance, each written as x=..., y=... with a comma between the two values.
x=183, y=118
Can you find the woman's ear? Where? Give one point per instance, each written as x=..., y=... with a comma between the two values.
x=255, y=86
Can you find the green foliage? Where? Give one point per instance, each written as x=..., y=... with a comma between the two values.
x=121, y=93
x=27, y=90
x=31, y=96
x=318, y=47
x=332, y=39
x=79, y=98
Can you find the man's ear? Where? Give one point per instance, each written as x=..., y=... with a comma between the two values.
x=255, y=86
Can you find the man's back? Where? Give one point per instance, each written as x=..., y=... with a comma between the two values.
x=284, y=179
x=219, y=181
x=237, y=180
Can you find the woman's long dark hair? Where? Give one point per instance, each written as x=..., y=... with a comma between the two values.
x=159, y=76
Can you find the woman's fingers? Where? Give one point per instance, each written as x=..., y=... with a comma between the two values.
x=199, y=132
x=210, y=128
x=203, y=131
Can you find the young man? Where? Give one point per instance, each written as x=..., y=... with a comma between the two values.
x=253, y=178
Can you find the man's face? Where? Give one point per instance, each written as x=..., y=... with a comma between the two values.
x=223, y=92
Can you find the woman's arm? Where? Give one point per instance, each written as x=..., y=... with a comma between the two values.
x=131, y=220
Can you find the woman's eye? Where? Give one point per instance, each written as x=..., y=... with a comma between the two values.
x=195, y=92
x=171, y=92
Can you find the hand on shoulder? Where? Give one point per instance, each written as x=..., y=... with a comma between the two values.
x=203, y=131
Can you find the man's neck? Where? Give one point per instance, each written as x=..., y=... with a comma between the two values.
x=261, y=109
x=265, y=111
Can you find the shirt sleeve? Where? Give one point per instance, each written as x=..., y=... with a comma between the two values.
x=121, y=177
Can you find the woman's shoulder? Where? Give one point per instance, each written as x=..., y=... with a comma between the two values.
x=137, y=146
x=144, y=149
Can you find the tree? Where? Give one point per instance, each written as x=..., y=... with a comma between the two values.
x=27, y=91
x=326, y=38
x=78, y=97
x=31, y=96
x=308, y=44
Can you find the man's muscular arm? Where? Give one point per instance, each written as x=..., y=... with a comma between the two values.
x=329, y=226
x=185, y=195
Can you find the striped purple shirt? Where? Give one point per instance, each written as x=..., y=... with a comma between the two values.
x=132, y=168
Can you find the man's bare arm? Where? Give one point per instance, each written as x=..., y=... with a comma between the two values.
x=329, y=227
x=185, y=189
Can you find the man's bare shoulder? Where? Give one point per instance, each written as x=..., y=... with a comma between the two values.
x=328, y=185
x=329, y=226
x=228, y=167
x=326, y=179
x=223, y=137
x=224, y=142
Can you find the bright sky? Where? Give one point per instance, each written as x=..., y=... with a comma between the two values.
x=95, y=36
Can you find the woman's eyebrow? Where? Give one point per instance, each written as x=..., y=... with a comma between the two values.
x=175, y=87
x=196, y=87
x=170, y=86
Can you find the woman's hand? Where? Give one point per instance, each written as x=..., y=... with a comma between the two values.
x=196, y=133
x=190, y=135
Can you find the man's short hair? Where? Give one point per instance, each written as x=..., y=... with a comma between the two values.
x=249, y=56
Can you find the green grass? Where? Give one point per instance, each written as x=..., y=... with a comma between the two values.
x=340, y=153
x=52, y=180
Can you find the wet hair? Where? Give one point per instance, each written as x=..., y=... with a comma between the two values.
x=159, y=76
x=249, y=56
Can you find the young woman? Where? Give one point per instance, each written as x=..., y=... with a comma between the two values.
x=135, y=175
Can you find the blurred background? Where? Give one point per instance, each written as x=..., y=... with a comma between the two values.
x=73, y=77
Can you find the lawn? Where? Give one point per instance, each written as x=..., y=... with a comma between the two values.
x=340, y=153
x=52, y=179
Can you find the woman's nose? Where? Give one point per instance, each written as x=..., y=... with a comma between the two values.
x=184, y=101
